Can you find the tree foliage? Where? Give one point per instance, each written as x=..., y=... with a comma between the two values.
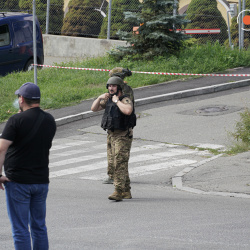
x=9, y=5
x=56, y=12
x=118, y=7
x=81, y=19
x=156, y=35
x=204, y=14
x=56, y=15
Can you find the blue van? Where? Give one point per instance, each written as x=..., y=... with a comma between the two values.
x=16, y=42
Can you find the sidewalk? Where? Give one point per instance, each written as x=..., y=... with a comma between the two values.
x=226, y=176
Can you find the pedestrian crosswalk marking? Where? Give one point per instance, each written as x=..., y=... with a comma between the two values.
x=142, y=170
x=88, y=159
x=146, y=157
x=146, y=169
x=148, y=147
x=101, y=146
x=100, y=155
x=77, y=170
x=68, y=153
x=69, y=144
x=78, y=159
x=133, y=159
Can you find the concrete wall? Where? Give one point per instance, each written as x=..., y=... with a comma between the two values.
x=77, y=47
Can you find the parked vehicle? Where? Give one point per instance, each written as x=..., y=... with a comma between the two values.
x=16, y=42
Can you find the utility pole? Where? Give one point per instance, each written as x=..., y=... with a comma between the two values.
x=109, y=20
x=47, y=17
x=239, y=26
x=242, y=9
x=233, y=11
x=242, y=24
x=34, y=42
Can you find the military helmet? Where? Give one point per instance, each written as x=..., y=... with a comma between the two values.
x=115, y=80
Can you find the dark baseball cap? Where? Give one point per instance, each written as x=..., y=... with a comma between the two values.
x=29, y=90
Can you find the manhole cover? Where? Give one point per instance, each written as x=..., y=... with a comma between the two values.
x=212, y=110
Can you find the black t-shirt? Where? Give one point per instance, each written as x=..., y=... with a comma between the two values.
x=28, y=164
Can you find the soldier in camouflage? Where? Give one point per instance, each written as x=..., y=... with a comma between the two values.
x=126, y=90
x=118, y=119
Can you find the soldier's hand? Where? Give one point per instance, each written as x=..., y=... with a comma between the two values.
x=115, y=98
x=104, y=96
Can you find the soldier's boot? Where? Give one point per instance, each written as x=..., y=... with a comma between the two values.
x=127, y=195
x=116, y=196
x=108, y=181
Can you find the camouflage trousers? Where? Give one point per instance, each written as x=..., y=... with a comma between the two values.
x=118, y=152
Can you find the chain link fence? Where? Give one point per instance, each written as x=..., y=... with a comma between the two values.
x=85, y=18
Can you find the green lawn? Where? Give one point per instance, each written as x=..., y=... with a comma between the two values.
x=64, y=87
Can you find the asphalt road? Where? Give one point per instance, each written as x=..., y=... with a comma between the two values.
x=80, y=216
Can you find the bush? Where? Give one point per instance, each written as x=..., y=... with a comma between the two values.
x=242, y=133
x=204, y=14
x=243, y=127
x=82, y=20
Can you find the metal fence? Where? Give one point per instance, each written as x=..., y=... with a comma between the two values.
x=93, y=20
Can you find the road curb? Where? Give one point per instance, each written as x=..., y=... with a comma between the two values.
x=178, y=184
x=160, y=98
x=177, y=179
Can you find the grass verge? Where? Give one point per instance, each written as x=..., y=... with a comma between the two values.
x=241, y=135
x=65, y=87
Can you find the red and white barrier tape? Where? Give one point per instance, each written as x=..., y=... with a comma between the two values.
x=141, y=72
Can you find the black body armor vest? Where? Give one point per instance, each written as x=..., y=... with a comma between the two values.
x=114, y=119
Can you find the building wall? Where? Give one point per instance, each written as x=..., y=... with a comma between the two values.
x=183, y=3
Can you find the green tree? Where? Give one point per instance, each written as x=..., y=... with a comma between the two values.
x=156, y=35
x=82, y=19
x=56, y=13
x=204, y=14
x=118, y=7
x=9, y=5
x=234, y=28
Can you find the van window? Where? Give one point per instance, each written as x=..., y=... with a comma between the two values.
x=4, y=35
x=23, y=31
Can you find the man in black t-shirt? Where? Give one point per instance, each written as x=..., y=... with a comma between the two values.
x=24, y=151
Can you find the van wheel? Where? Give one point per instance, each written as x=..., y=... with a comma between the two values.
x=29, y=66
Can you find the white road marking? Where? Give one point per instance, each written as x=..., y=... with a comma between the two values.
x=144, y=160
x=146, y=169
x=77, y=159
x=67, y=153
x=77, y=170
x=69, y=144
